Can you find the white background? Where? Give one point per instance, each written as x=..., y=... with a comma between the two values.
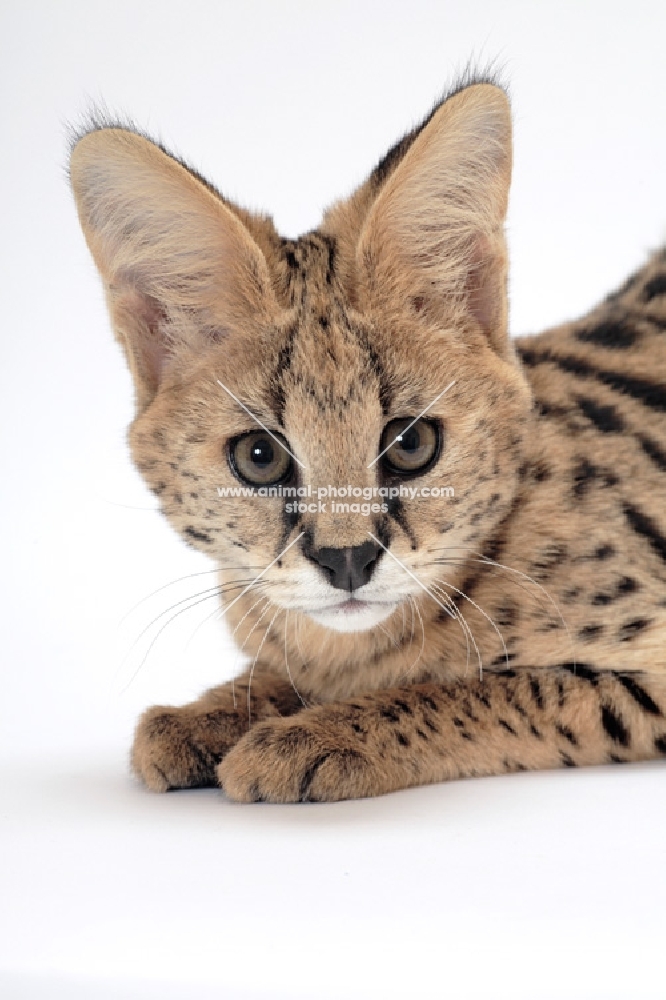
x=544, y=885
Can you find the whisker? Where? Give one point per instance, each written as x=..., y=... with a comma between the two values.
x=254, y=663
x=297, y=637
x=258, y=622
x=249, y=611
x=443, y=606
x=462, y=560
x=173, y=583
x=242, y=646
x=487, y=617
x=217, y=614
x=203, y=596
x=265, y=570
x=487, y=561
x=409, y=572
x=464, y=625
x=413, y=665
x=286, y=661
x=388, y=635
x=209, y=592
x=510, y=569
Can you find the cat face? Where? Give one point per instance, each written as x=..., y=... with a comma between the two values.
x=356, y=383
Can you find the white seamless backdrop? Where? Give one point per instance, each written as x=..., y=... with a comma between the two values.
x=531, y=886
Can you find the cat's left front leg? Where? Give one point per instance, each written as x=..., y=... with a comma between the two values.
x=424, y=733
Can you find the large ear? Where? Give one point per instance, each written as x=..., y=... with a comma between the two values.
x=179, y=267
x=434, y=234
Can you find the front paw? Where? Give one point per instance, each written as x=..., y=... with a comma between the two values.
x=294, y=760
x=170, y=749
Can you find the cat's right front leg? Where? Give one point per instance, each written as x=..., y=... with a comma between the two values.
x=180, y=747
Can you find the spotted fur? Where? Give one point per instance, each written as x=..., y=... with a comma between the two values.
x=527, y=621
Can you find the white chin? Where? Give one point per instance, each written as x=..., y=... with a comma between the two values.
x=346, y=619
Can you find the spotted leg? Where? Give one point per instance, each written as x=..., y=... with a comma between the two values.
x=510, y=721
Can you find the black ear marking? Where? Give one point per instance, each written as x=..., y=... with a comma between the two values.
x=470, y=77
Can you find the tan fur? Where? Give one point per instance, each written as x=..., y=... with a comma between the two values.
x=537, y=634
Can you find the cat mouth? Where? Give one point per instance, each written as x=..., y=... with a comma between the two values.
x=353, y=615
x=352, y=606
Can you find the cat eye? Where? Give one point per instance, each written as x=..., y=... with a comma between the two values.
x=258, y=459
x=415, y=446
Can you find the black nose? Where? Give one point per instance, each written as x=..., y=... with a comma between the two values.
x=347, y=569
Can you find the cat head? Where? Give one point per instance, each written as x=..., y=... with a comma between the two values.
x=368, y=359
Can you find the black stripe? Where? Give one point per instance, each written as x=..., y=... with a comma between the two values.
x=382, y=529
x=590, y=632
x=332, y=256
x=653, y=451
x=198, y=536
x=203, y=771
x=376, y=366
x=568, y=735
x=583, y=671
x=584, y=474
x=307, y=779
x=626, y=585
x=639, y=694
x=614, y=726
x=651, y=394
x=283, y=365
x=646, y=527
x=535, y=688
x=396, y=511
x=614, y=334
x=654, y=287
x=389, y=713
x=605, y=418
x=630, y=629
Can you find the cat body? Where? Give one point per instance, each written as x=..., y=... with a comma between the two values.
x=499, y=602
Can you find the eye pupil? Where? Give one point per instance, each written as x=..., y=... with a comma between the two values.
x=262, y=453
x=410, y=441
